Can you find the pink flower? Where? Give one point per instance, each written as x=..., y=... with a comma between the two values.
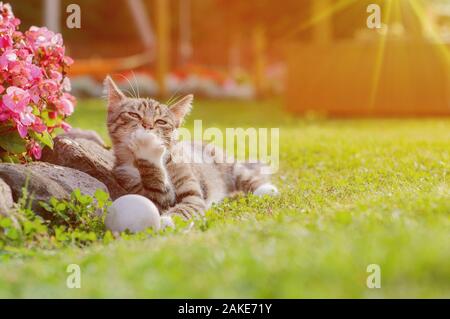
x=27, y=118
x=5, y=42
x=38, y=126
x=34, y=92
x=23, y=130
x=33, y=85
x=35, y=72
x=35, y=150
x=66, y=126
x=43, y=37
x=48, y=87
x=4, y=116
x=55, y=75
x=68, y=61
x=16, y=99
x=66, y=85
x=67, y=106
x=6, y=58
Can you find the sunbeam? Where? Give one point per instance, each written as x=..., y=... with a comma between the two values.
x=327, y=12
x=380, y=57
x=419, y=11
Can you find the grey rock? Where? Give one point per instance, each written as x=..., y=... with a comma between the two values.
x=90, y=135
x=6, y=199
x=44, y=181
x=86, y=156
x=69, y=179
x=39, y=187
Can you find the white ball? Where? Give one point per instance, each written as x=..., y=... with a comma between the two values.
x=133, y=212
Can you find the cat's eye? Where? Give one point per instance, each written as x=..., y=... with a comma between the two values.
x=161, y=122
x=134, y=115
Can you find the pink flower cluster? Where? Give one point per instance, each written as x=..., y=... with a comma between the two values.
x=33, y=86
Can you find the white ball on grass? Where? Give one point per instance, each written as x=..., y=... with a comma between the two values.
x=133, y=212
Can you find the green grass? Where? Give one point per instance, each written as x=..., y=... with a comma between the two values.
x=353, y=193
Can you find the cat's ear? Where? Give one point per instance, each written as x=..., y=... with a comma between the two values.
x=182, y=108
x=112, y=91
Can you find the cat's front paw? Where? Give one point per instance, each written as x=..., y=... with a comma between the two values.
x=147, y=146
x=266, y=189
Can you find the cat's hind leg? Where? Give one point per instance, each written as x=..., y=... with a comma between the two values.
x=250, y=179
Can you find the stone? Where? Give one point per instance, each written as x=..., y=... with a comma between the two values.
x=69, y=179
x=90, y=135
x=44, y=181
x=41, y=188
x=86, y=156
x=6, y=199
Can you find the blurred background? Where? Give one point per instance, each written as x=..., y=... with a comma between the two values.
x=318, y=55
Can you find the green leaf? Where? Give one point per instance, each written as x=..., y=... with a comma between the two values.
x=60, y=207
x=47, y=120
x=10, y=159
x=12, y=233
x=45, y=138
x=108, y=238
x=5, y=222
x=76, y=194
x=46, y=206
x=85, y=199
x=13, y=143
x=102, y=197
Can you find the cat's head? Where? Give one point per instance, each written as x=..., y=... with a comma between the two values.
x=126, y=115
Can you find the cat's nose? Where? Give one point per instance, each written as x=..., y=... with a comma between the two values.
x=147, y=126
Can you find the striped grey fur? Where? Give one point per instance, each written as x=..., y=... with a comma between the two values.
x=144, y=138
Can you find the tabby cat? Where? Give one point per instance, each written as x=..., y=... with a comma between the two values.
x=144, y=138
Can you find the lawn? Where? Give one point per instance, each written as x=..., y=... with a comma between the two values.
x=353, y=193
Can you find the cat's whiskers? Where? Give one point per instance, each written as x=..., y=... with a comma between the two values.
x=174, y=98
x=137, y=84
x=134, y=95
x=130, y=94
